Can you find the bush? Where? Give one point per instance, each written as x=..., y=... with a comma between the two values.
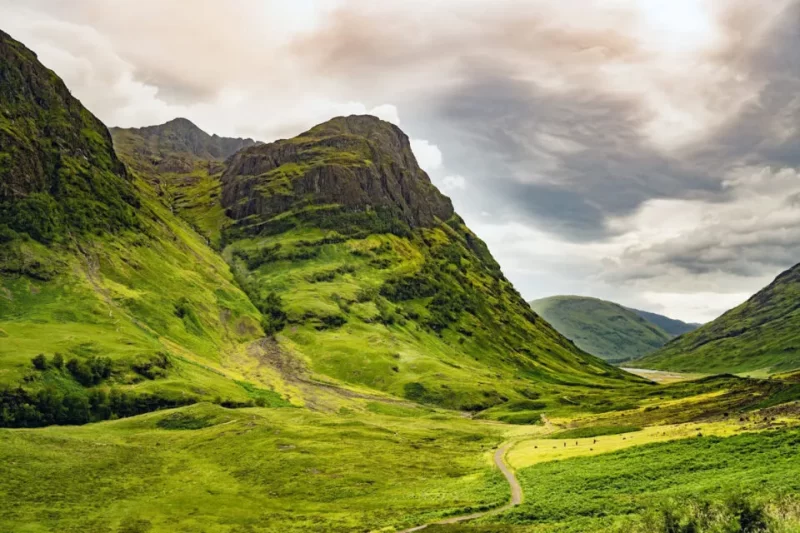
x=153, y=367
x=22, y=408
x=273, y=316
x=91, y=371
x=332, y=322
x=39, y=362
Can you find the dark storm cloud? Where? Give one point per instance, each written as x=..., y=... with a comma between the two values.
x=566, y=161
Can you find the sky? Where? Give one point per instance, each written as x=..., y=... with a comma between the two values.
x=642, y=151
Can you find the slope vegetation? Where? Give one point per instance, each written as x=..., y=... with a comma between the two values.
x=183, y=165
x=109, y=304
x=362, y=268
x=602, y=328
x=762, y=334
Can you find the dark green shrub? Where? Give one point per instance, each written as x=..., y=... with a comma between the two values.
x=273, y=316
x=39, y=362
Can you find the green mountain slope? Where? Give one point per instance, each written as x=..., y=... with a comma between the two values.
x=602, y=328
x=352, y=263
x=762, y=334
x=672, y=326
x=366, y=273
x=109, y=304
x=183, y=164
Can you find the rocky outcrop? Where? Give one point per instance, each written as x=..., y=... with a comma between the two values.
x=356, y=162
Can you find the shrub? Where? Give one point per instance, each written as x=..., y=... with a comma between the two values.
x=332, y=322
x=91, y=371
x=39, y=362
x=273, y=316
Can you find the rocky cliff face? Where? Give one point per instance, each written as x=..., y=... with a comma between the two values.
x=174, y=146
x=58, y=169
x=356, y=163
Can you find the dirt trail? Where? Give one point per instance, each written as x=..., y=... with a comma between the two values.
x=516, y=494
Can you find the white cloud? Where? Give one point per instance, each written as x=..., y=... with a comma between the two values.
x=386, y=112
x=428, y=155
x=453, y=183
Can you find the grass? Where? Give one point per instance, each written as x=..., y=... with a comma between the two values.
x=204, y=467
x=471, y=361
x=593, y=431
x=132, y=297
x=614, y=490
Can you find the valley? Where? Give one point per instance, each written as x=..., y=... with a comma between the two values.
x=202, y=333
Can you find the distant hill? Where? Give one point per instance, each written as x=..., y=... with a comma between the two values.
x=172, y=147
x=670, y=325
x=761, y=334
x=606, y=329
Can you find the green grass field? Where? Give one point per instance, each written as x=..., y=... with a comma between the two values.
x=614, y=491
x=205, y=468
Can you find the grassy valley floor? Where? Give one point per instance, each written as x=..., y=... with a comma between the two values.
x=377, y=466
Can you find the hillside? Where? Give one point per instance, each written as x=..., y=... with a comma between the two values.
x=183, y=165
x=109, y=304
x=358, y=277
x=361, y=265
x=672, y=326
x=761, y=335
x=605, y=329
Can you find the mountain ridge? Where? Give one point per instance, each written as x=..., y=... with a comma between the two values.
x=759, y=335
x=672, y=326
x=349, y=279
x=174, y=146
x=606, y=329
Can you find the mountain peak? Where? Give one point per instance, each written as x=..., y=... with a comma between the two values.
x=363, y=125
x=355, y=164
x=173, y=146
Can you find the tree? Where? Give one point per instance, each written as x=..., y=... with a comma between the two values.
x=58, y=361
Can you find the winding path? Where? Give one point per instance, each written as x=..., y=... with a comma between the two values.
x=516, y=494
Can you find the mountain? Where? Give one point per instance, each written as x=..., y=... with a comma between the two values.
x=672, y=326
x=173, y=146
x=762, y=334
x=109, y=304
x=361, y=264
x=59, y=172
x=324, y=269
x=183, y=164
x=605, y=329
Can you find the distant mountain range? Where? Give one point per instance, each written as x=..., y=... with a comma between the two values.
x=606, y=329
x=672, y=326
x=762, y=335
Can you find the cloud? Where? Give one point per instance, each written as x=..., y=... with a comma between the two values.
x=428, y=155
x=639, y=151
x=453, y=183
